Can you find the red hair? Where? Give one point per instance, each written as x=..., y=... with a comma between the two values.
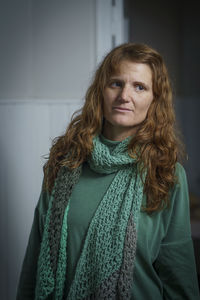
x=156, y=137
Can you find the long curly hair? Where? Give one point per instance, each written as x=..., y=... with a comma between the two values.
x=155, y=144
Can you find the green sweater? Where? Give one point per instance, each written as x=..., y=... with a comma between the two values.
x=164, y=266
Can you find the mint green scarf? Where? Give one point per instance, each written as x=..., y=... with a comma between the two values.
x=105, y=266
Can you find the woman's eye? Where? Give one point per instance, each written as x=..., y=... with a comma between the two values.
x=115, y=84
x=139, y=87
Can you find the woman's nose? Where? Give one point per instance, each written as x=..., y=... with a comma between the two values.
x=125, y=93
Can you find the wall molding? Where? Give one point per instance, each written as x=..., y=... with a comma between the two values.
x=37, y=101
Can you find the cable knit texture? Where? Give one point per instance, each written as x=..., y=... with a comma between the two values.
x=105, y=266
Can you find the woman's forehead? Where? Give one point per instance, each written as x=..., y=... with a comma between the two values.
x=116, y=69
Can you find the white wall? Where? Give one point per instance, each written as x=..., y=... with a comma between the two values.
x=48, y=54
x=47, y=57
x=47, y=48
x=29, y=127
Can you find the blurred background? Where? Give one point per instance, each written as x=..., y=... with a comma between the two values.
x=49, y=51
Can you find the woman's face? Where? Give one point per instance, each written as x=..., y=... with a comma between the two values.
x=127, y=98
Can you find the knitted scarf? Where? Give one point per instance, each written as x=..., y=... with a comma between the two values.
x=105, y=267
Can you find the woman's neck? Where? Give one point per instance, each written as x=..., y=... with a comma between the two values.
x=114, y=133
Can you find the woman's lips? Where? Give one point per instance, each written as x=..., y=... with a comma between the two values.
x=122, y=109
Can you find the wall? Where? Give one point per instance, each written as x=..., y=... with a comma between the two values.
x=49, y=51
x=158, y=25
x=26, y=130
x=172, y=27
x=44, y=41
x=47, y=58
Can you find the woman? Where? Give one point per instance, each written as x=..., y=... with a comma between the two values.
x=112, y=221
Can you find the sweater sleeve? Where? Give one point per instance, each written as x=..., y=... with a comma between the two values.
x=175, y=264
x=27, y=280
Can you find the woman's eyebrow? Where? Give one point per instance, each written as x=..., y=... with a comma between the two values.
x=116, y=78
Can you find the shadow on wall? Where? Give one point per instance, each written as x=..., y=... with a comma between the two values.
x=187, y=111
x=172, y=27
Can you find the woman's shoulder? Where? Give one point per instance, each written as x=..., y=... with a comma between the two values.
x=44, y=200
x=179, y=167
x=180, y=174
x=179, y=195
